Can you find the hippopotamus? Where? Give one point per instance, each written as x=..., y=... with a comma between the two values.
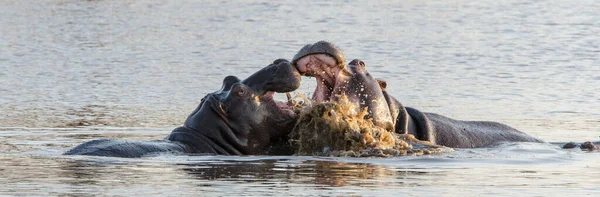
x=335, y=79
x=326, y=63
x=239, y=119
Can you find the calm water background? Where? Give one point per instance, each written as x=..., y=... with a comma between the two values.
x=72, y=71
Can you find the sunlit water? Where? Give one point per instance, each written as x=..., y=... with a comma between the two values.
x=72, y=71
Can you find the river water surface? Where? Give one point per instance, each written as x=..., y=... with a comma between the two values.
x=74, y=70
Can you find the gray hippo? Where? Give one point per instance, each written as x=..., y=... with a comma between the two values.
x=241, y=118
x=326, y=63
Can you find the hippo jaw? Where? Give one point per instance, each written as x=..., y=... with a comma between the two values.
x=254, y=119
x=326, y=63
x=334, y=80
x=276, y=109
x=255, y=115
x=279, y=117
x=279, y=77
x=243, y=117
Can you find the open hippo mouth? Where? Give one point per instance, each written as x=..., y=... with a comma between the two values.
x=278, y=109
x=279, y=77
x=326, y=63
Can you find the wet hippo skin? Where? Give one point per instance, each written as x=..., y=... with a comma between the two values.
x=326, y=63
x=239, y=119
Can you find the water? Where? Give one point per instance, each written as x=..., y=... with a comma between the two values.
x=72, y=71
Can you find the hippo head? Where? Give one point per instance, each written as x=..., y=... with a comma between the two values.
x=326, y=63
x=242, y=117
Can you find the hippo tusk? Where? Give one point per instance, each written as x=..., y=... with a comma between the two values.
x=289, y=98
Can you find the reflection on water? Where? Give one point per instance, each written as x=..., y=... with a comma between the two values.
x=135, y=69
x=328, y=173
x=32, y=165
x=261, y=175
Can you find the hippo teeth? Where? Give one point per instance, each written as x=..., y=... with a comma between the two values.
x=289, y=98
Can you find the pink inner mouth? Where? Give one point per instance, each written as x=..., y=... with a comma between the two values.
x=283, y=107
x=326, y=71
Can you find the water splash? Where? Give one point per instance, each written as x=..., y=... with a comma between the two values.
x=342, y=129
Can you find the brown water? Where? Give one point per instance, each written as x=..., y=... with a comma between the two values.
x=135, y=69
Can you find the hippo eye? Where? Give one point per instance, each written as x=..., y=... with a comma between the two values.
x=242, y=93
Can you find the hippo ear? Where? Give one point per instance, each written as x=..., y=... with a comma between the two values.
x=382, y=84
x=228, y=82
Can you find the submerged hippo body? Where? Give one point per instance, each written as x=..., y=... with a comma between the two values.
x=463, y=134
x=326, y=63
x=241, y=118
